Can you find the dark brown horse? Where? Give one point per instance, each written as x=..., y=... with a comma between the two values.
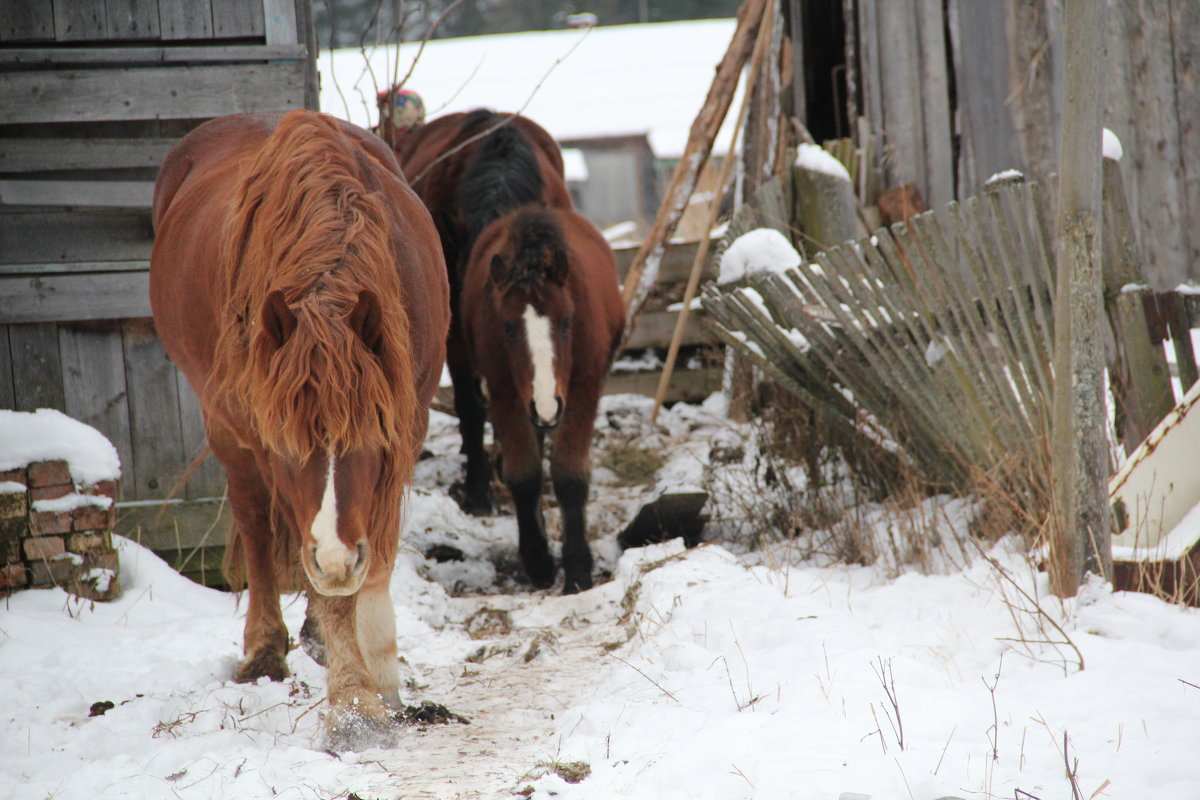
x=536, y=313
x=297, y=282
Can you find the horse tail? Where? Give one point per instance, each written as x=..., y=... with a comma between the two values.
x=502, y=176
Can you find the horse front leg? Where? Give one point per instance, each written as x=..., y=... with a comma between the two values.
x=471, y=409
x=265, y=638
x=358, y=718
x=375, y=619
x=521, y=448
x=569, y=473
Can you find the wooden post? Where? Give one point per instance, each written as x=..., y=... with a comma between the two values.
x=1081, y=531
x=1141, y=378
x=689, y=293
x=644, y=269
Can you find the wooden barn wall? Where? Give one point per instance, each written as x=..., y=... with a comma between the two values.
x=958, y=90
x=94, y=94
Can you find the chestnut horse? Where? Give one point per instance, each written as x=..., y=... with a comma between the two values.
x=535, y=312
x=298, y=283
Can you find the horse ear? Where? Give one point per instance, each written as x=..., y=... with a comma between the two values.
x=366, y=320
x=556, y=271
x=498, y=270
x=278, y=320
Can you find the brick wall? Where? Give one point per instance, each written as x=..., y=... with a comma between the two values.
x=55, y=533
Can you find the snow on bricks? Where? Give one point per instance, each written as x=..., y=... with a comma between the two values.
x=58, y=486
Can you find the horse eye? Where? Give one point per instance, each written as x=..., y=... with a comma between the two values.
x=564, y=324
x=510, y=330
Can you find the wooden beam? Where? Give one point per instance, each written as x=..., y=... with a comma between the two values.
x=280, y=21
x=38, y=155
x=165, y=93
x=56, y=236
x=34, y=56
x=644, y=270
x=53, y=298
x=75, y=267
x=91, y=194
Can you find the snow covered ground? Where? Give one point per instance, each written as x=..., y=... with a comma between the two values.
x=721, y=672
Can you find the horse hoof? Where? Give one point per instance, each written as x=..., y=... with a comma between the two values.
x=349, y=730
x=266, y=663
x=477, y=507
x=312, y=642
x=541, y=571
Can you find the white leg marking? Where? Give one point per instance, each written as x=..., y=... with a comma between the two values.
x=375, y=619
x=334, y=558
x=541, y=353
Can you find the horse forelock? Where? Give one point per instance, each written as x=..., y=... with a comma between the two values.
x=538, y=247
x=307, y=224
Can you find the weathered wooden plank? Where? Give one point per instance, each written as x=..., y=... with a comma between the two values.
x=74, y=267
x=44, y=237
x=1156, y=155
x=189, y=535
x=37, y=366
x=654, y=329
x=935, y=111
x=6, y=371
x=280, y=21
x=986, y=128
x=158, y=455
x=26, y=22
x=98, y=194
x=79, y=20
x=152, y=93
x=93, y=373
x=1185, y=33
x=237, y=19
x=686, y=385
x=33, y=56
x=676, y=262
x=208, y=479
x=37, y=155
x=185, y=19
x=900, y=89
x=132, y=19
x=870, y=77
x=93, y=296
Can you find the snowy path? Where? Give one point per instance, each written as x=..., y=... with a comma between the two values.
x=690, y=675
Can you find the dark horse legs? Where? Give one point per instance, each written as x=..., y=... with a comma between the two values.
x=569, y=472
x=472, y=413
x=521, y=469
x=521, y=446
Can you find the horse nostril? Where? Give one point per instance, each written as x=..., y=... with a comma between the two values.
x=362, y=558
x=317, y=563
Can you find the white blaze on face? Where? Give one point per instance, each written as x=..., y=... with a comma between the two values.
x=333, y=557
x=541, y=353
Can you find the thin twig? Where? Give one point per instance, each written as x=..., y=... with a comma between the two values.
x=492, y=129
x=647, y=677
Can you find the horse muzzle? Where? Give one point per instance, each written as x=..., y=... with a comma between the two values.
x=541, y=422
x=338, y=573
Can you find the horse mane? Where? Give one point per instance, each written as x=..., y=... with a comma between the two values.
x=502, y=176
x=540, y=248
x=307, y=221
